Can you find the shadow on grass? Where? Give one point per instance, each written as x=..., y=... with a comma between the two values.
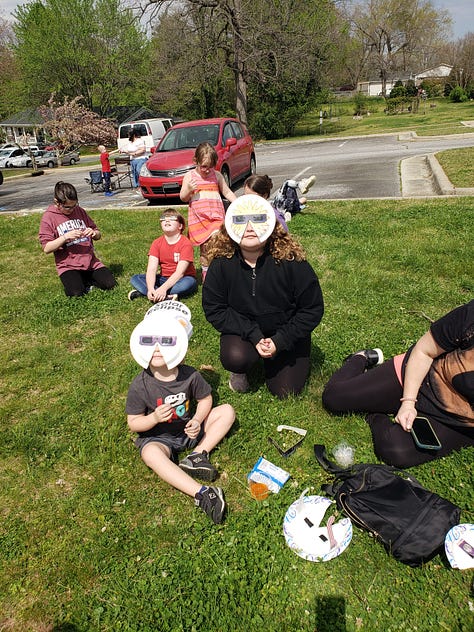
x=116, y=269
x=330, y=613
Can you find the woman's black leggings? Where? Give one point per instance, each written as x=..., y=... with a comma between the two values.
x=77, y=282
x=285, y=374
x=377, y=391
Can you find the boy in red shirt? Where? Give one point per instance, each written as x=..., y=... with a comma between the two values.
x=106, y=170
x=174, y=254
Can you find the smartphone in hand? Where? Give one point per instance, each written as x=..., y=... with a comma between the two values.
x=423, y=434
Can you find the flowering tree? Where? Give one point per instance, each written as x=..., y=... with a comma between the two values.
x=70, y=124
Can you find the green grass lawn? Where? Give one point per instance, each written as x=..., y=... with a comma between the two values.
x=92, y=541
x=458, y=164
x=435, y=117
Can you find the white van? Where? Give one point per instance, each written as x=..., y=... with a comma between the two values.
x=151, y=130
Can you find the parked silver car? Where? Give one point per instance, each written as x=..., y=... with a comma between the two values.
x=50, y=158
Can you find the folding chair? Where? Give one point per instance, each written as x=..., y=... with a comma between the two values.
x=96, y=181
x=123, y=172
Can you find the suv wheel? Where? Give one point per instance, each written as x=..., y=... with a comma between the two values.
x=72, y=161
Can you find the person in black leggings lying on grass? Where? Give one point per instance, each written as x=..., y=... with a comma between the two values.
x=433, y=379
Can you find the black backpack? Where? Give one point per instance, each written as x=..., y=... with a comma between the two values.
x=410, y=521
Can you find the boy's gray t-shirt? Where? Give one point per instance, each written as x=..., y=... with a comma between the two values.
x=146, y=393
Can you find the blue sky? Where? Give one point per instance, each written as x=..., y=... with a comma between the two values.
x=462, y=12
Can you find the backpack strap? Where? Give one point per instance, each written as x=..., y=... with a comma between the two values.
x=324, y=462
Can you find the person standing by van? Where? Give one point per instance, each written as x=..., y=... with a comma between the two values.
x=136, y=150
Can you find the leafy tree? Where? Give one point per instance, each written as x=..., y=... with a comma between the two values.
x=87, y=47
x=10, y=79
x=396, y=34
x=70, y=124
x=272, y=51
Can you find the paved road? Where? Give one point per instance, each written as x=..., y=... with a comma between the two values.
x=364, y=167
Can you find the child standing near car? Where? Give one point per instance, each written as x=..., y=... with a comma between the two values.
x=159, y=408
x=106, y=169
x=202, y=189
x=173, y=253
x=68, y=232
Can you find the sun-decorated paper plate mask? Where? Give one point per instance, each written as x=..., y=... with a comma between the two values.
x=251, y=209
x=175, y=309
x=160, y=330
x=305, y=535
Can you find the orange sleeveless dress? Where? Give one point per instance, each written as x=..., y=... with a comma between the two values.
x=206, y=211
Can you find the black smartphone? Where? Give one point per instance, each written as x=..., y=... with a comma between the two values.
x=424, y=435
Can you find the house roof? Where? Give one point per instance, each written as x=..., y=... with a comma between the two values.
x=27, y=118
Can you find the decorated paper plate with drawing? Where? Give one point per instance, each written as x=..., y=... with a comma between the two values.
x=459, y=546
x=305, y=534
x=253, y=210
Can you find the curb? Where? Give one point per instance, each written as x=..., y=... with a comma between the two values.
x=442, y=183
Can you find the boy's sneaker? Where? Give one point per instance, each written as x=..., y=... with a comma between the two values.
x=133, y=294
x=373, y=357
x=211, y=501
x=238, y=382
x=306, y=184
x=108, y=193
x=198, y=465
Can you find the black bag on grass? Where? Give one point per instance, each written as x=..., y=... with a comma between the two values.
x=410, y=521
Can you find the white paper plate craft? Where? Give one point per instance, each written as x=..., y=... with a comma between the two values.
x=162, y=331
x=459, y=546
x=176, y=309
x=307, y=537
x=251, y=209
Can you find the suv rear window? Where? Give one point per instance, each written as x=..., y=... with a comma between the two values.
x=140, y=127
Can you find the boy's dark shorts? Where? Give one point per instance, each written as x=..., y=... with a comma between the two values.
x=176, y=443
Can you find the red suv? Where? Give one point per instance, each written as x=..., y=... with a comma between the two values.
x=161, y=176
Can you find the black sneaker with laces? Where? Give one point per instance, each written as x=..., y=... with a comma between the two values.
x=373, y=357
x=212, y=502
x=133, y=294
x=198, y=465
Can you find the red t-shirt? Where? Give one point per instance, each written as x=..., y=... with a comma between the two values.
x=170, y=254
x=105, y=162
x=75, y=255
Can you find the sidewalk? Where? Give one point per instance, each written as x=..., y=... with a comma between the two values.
x=423, y=176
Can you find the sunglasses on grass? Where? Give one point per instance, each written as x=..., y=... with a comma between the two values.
x=289, y=451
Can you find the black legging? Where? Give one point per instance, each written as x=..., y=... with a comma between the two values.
x=351, y=390
x=378, y=391
x=285, y=374
x=77, y=282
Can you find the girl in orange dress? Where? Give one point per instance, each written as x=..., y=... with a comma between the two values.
x=202, y=189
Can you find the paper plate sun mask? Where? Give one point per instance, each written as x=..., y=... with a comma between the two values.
x=251, y=209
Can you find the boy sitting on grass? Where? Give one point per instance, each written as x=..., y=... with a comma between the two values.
x=158, y=408
x=170, y=272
